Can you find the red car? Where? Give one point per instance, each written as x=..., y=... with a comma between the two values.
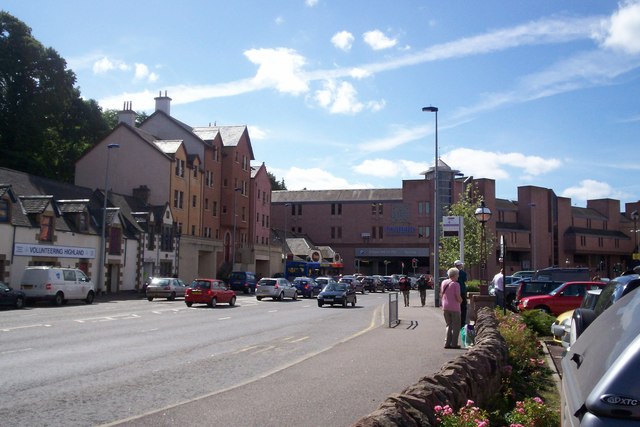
x=210, y=292
x=565, y=297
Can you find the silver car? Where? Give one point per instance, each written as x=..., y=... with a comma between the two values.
x=276, y=288
x=165, y=287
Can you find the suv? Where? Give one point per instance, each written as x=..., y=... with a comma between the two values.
x=244, y=281
x=527, y=288
x=600, y=374
x=555, y=274
x=565, y=297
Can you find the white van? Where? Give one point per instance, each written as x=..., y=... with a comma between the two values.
x=56, y=285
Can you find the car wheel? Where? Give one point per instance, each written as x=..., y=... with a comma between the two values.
x=295, y=296
x=90, y=297
x=344, y=303
x=189, y=303
x=232, y=301
x=213, y=302
x=245, y=291
x=172, y=296
x=19, y=302
x=280, y=297
x=58, y=299
x=150, y=298
x=319, y=303
x=363, y=292
x=353, y=303
x=259, y=298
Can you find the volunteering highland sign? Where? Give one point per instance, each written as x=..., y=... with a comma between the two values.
x=26, y=249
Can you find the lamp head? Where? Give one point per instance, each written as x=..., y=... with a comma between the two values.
x=430, y=109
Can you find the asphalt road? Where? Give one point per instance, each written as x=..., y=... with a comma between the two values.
x=260, y=363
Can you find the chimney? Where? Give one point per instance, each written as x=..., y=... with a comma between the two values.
x=163, y=103
x=127, y=115
x=142, y=193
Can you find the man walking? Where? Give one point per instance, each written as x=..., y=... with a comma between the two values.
x=498, y=286
x=462, y=280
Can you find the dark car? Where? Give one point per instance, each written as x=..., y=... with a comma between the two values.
x=601, y=372
x=337, y=293
x=307, y=287
x=243, y=281
x=10, y=297
x=372, y=284
x=390, y=283
x=210, y=292
x=613, y=291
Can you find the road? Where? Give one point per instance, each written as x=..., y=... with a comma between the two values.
x=136, y=362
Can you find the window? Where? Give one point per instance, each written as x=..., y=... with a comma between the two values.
x=380, y=209
x=82, y=221
x=424, y=232
x=293, y=209
x=600, y=242
x=46, y=228
x=373, y=232
x=193, y=230
x=339, y=232
x=4, y=211
x=336, y=208
x=180, y=167
x=178, y=199
x=333, y=232
x=380, y=236
x=193, y=201
x=208, y=178
x=214, y=208
x=115, y=241
x=224, y=209
x=195, y=171
x=151, y=239
x=206, y=204
x=244, y=211
x=299, y=209
x=166, y=237
x=258, y=217
x=376, y=208
x=583, y=241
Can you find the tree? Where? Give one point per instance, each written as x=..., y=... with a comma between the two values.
x=275, y=185
x=45, y=124
x=450, y=251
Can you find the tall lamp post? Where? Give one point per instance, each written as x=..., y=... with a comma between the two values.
x=436, y=232
x=483, y=215
x=103, y=240
x=235, y=219
x=634, y=217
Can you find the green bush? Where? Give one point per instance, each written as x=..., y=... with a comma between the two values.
x=539, y=321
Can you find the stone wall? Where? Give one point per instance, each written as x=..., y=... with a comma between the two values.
x=476, y=374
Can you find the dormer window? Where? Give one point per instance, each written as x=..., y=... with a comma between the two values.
x=4, y=210
x=82, y=222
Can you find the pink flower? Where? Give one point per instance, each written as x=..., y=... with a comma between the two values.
x=470, y=403
x=538, y=400
x=437, y=408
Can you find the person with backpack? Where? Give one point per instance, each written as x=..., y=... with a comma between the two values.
x=405, y=287
x=423, y=284
x=451, y=299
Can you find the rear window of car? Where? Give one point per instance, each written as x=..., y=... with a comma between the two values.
x=237, y=276
x=201, y=284
x=267, y=282
x=160, y=282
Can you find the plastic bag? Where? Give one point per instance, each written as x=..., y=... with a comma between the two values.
x=467, y=336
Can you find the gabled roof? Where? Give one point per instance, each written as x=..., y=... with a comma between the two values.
x=73, y=206
x=37, y=204
x=337, y=196
x=168, y=146
x=6, y=189
x=231, y=135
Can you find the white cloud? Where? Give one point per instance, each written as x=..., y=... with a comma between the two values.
x=280, y=68
x=591, y=189
x=338, y=98
x=377, y=40
x=343, y=40
x=142, y=73
x=279, y=20
x=399, y=137
x=376, y=106
x=104, y=65
x=359, y=73
x=314, y=179
x=623, y=29
x=257, y=133
x=385, y=168
x=311, y=3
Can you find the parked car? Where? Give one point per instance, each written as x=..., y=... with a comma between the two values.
x=561, y=327
x=10, y=297
x=522, y=274
x=210, y=292
x=276, y=288
x=528, y=287
x=337, y=293
x=307, y=287
x=57, y=285
x=556, y=274
x=358, y=285
x=613, y=291
x=351, y=281
x=511, y=285
x=244, y=281
x=165, y=287
x=389, y=282
x=372, y=284
x=565, y=297
x=601, y=371
x=325, y=280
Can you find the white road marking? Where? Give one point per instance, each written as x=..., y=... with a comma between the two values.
x=39, y=325
x=20, y=350
x=108, y=318
x=224, y=318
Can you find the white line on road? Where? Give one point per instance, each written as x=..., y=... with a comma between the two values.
x=39, y=325
x=20, y=350
x=224, y=318
x=108, y=318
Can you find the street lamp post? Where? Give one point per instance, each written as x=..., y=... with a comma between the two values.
x=483, y=215
x=634, y=217
x=103, y=240
x=235, y=218
x=436, y=233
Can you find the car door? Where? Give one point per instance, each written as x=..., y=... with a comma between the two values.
x=221, y=293
x=571, y=297
x=70, y=285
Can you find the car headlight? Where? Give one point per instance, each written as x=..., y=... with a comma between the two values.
x=525, y=302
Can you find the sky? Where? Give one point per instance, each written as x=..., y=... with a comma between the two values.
x=543, y=93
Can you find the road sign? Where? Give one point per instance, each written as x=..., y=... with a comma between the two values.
x=451, y=226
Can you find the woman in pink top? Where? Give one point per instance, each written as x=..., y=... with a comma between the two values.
x=451, y=299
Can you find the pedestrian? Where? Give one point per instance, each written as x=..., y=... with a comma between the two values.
x=462, y=280
x=451, y=299
x=498, y=286
x=405, y=287
x=423, y=284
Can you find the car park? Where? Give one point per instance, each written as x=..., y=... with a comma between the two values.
x=337, y=293
x=165, y=287
x=210, y=292
x=372, y=284
x=243, y=281
x=276, y=288
x=307, y=287
x=613, y=291
x=601, y=371
x=57, y=285
x=565, y=297
x=10, y=297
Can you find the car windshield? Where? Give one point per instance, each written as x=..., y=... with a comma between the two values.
x=556, y=290
x=160, y=282
x=336, y=287
x=267, y=282
x=236, y=276
x=200, y=284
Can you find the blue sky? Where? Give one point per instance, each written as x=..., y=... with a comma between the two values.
x=543, y=93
